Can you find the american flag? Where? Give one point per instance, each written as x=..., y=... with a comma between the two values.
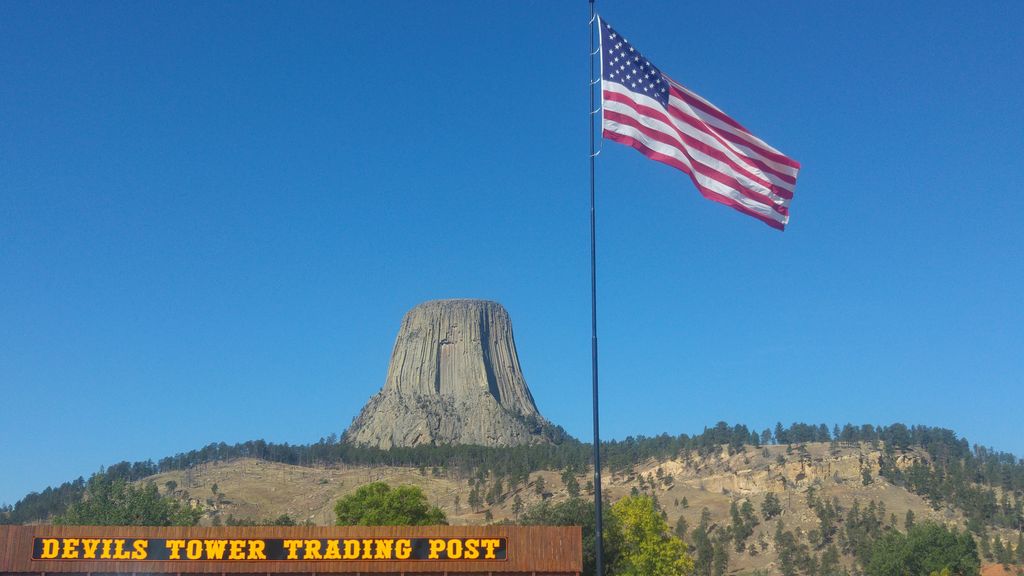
x=644, y=108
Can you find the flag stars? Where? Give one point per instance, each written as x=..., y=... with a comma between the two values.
x=627, y=67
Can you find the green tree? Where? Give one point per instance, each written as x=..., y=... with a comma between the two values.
x=579, y=512
x=702, y=545
x=378, y=504
x=517, y=505
x=720, y=557
x=740, y=529
x=830, y=565
x=926, y=548
x=572, y=486
x=474, y=500
x=682, y=527
x=283, y=520
x=648, y=549
x=1003, y=553
x=770, y=507
x=118, y=503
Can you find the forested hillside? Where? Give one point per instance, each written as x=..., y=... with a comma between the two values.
x=986, y=485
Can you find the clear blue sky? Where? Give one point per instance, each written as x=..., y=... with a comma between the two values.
x=214, y=215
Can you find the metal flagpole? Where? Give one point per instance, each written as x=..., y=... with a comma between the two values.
x=598, y=531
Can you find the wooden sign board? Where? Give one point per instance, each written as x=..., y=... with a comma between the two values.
x=492, y=550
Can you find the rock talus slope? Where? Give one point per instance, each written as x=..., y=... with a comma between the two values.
x=454, y=378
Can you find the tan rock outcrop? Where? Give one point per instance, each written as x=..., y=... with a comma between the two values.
x=454, y=378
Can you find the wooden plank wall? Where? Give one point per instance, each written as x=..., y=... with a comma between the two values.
x=554, y=550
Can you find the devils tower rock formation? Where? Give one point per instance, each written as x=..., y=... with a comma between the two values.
x=454, y=378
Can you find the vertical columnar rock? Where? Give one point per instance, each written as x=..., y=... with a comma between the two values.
x=454, y=378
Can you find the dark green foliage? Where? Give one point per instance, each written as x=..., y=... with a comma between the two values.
x=118, y=503
x=475, y=501
x=579, y=512
x=958, y=475
x=793, y=556
x=572, y=486
x=682, y=527
x=828, y=515
x=926, y=548
x=495, y=493
x=517, y=505
x=771, y=507
x=829, y=565
x=743, y=523
x=378, y=504
x=720, y=557
x=1003, y=552
x=282, y=520
x=703, y=547
x=986, y=549
x=539, y=486
x=861, y=529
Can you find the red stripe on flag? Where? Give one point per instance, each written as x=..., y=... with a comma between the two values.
x=704, y=170
x=666, y=122
x=691, y=142
x=730, y=141
x=674, y=89
x=710, y=195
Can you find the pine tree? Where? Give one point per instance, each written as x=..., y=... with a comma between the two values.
x=682, y=526
x=770, y=507
x=475, y=501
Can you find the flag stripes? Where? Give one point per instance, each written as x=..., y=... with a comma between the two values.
x=645, y=109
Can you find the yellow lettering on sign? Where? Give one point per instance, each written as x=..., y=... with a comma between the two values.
x=119, y=552
x=194, y=549
x=332, y=552
x=215, y=549
x=237, y=550
x=257, y=550
x=490, y=544
x=403, y=549
x=89, y=547
x=383, y=549
x=454, y=549
x=51, y=548
x=472, y=551
x=70, y=548
x=292, y=546
x=175, y=547
x=312, y=550
x=367, y=550
x=436, y=547
x=106, y=548
x=351, y=549
x=140, y=549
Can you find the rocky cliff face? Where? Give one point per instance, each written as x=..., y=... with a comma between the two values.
x=454, y=378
